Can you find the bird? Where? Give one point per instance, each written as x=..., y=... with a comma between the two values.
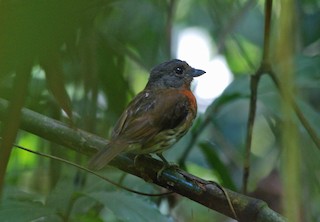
x=157, y=117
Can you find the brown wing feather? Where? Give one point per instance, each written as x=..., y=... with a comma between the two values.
x=147, y=115
x=104, y=156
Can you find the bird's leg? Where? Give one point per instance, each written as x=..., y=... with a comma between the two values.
x=137, y=163
x=166, y=165
x=137, y=157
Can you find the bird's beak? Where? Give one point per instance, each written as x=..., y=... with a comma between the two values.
x=195, y=72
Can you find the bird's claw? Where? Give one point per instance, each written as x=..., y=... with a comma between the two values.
x=166, y=166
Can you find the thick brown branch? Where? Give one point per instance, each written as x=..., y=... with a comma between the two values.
x=204, y=192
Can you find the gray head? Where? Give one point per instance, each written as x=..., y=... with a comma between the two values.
x=173, y=74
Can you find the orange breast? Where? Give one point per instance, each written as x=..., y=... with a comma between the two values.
x=192, y=99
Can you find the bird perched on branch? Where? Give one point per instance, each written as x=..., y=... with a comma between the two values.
x=157, y=117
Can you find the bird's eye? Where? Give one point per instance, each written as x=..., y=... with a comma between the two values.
x=179, y=70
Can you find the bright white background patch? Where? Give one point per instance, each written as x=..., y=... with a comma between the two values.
x=195, y=47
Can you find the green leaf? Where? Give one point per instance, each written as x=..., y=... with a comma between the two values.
x=242, y=55
x=55, y=80
x=61, y=195
x=216, y=163
x=224, y=99
x=145, y=34
x=128, y=207
x=20, y=211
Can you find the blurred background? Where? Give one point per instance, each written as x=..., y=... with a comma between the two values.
x=88, y=58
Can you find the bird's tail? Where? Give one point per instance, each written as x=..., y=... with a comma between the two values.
x=104, y=156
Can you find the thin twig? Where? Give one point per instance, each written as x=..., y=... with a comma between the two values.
x=229, y=201
x=264, y=68
x=118, y=184
x=92, y=172
x=252, y=113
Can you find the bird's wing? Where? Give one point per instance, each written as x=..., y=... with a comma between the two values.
x=150, y=113
x=147, y=115
x=104, y=156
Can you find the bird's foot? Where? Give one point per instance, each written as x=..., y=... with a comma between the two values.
x=172, y=166
x=138, y=157
x=166, y=165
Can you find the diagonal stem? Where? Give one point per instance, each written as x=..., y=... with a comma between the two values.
x=11, y=121
x=312, y=133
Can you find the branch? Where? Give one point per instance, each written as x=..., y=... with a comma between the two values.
x=204, y=192
x=265, y=67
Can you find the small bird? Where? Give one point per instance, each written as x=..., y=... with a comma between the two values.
x=157, y=117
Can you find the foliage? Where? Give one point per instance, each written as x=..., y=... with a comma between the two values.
x=90, y=57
